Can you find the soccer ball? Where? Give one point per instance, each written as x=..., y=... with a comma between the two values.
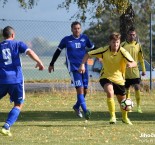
x=127, y=104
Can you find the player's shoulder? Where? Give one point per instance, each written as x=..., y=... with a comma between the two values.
x=67, y=37
x=84, y=36
x=12, y=42
x=124, y=52
x=122, y=49
x=103, y=49
x=123, y=43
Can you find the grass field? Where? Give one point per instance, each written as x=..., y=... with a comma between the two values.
x=48, y=119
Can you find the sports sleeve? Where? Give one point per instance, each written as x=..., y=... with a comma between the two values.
x=55, y=56
x=141, y=59
x=89, y=44
x=22, y=47
x=61, y=45
x=97, y=52
x=126, y=55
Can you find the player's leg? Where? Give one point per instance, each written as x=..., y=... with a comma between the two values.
x=108, y=88
x=78, y=83
x=85, y=92
x=120, y=93
x=127, y=88
x=85, y=80
x=17, y=95
x=81, y=99
x=76, y=107
x=138, y=97
x=3, y=92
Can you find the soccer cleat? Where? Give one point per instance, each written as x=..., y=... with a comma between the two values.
x=5, y=132
x=87, y=115
x=112, y=120
x=78, y=112
x=139, y=110
x=127, y=121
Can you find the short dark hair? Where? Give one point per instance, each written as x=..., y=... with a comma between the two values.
x=75, y=23
x=115, y=36
x=131, y=29
x=7, y=31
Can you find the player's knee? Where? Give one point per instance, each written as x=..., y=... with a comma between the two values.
x=137, y=87
x=19, y=106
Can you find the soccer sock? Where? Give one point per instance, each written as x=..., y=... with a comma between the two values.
x=127, y=93
x=124, y=114
x=77, y=105
x=12, y=117
x=111, y=106
x=137, y=96
x=82, y=102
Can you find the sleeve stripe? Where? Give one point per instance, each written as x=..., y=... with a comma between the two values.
x=100, y=52
x=125, y=57
x=27, y=50
x=59, y=49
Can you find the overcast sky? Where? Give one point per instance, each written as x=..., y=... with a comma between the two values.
x=45, y=10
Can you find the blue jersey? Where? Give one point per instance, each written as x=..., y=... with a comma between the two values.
x=10, y=65
x=75, y=50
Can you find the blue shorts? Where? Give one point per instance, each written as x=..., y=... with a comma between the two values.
x=16, y=92
x=79, y=80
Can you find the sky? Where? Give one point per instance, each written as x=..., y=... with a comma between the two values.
x=42, y=11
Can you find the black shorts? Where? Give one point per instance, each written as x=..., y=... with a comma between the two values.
x=118, y=89
x=130, y=82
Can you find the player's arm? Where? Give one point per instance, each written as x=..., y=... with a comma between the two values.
x=131, y=64
x=128, y=58
x=82, y=66
x=94, y=53
x=55, y=56
x=141, y=60
x=35, y=57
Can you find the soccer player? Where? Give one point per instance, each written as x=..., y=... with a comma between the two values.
x=75, y=46
x=115, y=59
x=132, y=75
x=11, y=77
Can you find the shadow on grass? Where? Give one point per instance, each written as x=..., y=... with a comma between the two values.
x=70, y=116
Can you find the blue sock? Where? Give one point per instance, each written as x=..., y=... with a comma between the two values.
x=77, y=105
x=82, y=102
x=12, y=117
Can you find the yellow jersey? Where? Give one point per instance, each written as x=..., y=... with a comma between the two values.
x=135, y=50
x=114, y=64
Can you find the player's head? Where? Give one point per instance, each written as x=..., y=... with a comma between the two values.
x=131, y=34
x=8, y=33
x=76, y=28
x=114, y=40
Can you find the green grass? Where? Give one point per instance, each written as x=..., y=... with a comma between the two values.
x=48, y=119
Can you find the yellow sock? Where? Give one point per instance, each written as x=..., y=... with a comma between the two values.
x=111, y=106
x=124, y=114
x=127, y=93
x=137, y=96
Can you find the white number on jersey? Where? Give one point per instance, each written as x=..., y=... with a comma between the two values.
x=78, y=45
x=77, y=83
x=7, y=56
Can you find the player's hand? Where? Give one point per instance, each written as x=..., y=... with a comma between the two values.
x=129, y=65
x=82, y=68
x=51, y=68
x=40, y=66
x=143, y=73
